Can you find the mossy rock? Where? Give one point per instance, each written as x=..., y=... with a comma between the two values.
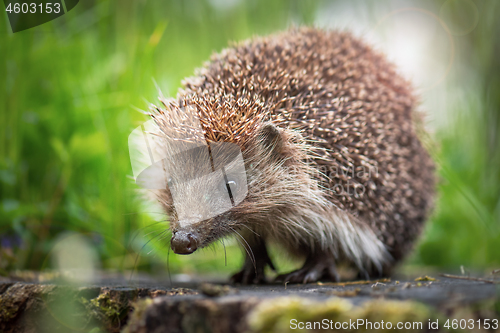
x=292, y=314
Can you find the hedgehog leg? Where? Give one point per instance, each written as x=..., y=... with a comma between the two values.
x=256, y=261
x=317, y=267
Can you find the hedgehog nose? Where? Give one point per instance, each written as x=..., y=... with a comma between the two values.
x=183, y=242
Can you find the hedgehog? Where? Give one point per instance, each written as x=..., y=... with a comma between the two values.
x=333, y=169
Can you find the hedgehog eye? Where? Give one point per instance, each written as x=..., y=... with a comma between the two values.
x=231, y=183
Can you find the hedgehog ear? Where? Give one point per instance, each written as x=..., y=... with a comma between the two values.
x=270, y=138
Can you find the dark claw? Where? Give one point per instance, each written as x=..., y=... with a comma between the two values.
x=249, y=275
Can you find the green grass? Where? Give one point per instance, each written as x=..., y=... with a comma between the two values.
x=465, y=229
x=68, y=93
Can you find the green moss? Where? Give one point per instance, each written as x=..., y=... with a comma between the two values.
x=395, y=312
x=109, y=307
x=425, y=278
x=8, y=311
x=12, y=301
x=215, y=290
x=107, y=310
x=276, y=315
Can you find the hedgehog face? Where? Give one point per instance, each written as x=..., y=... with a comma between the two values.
x=214, y=190
x=204, y=183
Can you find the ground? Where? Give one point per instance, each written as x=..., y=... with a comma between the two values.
x=35, y=303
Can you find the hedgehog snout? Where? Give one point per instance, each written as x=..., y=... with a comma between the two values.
x=184, y=242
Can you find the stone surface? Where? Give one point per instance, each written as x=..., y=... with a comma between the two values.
x=116, y=304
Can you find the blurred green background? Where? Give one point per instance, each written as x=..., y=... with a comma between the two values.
x=69, y=90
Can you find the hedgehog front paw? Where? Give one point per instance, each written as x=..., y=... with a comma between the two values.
x=312, y=271
x=253, y=271
x=249, y=275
